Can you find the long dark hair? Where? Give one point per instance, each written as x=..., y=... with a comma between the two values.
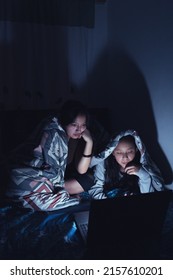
x=70, y=110
x=73, y=108
x=112, y=177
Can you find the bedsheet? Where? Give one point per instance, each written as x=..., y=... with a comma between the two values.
x=25, y=234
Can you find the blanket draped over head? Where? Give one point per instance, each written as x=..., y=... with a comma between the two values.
x=145, y=159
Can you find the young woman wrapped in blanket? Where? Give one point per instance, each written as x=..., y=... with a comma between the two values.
x=51, y=166
x=125, y=168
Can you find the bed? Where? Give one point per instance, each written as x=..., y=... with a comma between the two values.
x=25, y=234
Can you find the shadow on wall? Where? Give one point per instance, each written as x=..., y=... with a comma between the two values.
x=124, y=90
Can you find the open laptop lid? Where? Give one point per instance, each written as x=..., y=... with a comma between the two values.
x=121, y=225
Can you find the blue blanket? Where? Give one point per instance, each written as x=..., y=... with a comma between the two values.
x=25, y=234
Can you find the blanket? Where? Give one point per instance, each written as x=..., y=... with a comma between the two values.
x=25, y=234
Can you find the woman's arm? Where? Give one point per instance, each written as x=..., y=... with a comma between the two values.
x=85, y=158
x=150, y=179
x=96, y=190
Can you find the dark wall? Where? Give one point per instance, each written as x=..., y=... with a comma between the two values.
x=140, y=73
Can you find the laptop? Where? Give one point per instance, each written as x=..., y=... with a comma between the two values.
x=82, y=221
x=127, y=227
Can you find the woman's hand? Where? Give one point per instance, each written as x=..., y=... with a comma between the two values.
x=85, y=159
x=132, y=168
x=86, y=135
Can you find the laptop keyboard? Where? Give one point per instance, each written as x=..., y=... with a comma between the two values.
x=84, y=230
